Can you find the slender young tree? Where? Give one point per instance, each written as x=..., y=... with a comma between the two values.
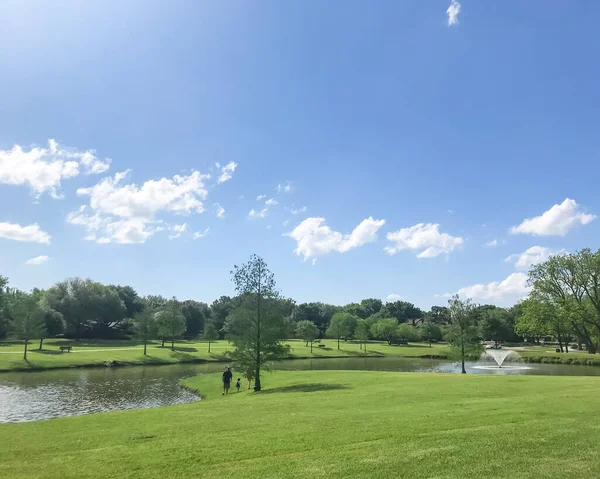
x=29, y=319
x=144, y=326
x=170, y=321
x=462, y=331
x=210, y=333
x=362, y=332
x=257, y=325
x=308, y=331
x=342, y=324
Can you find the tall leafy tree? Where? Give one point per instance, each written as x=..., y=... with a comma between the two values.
x=29, y=320
x=4, y=312
x=542, y=318
x=406, y=332
x=220, y=309
x=363, y=331
x=210, y=333
x=356, y=310
x=494, y=325
x=371, y=306
x=341, y=326
x=131, y=300
x=144, y=324
x=257, y=326
x=386, y=329
x=439, y=315
x=462, y=332
x=195, y=314
x=308, y=331
x=170, y=322
x=431, y=332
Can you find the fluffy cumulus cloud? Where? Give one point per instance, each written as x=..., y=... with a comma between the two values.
x=314, y=238
x=423, y=237
x=43, y=169
x=452, y=12
x=220, y=211
x=511, y=289
x=557, y=221
x=31, y=233
x=394, y=297
x=532, y=256
x=127, y=213
x=38, y=260
x=264, y=212
x=226, y=171
x=260, y=197
x=297, y=211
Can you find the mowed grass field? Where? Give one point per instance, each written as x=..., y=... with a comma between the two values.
x=330, y=424
x=86, y=353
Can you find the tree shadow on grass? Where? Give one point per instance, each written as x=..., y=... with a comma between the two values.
x=48, y=351
x=306, y=388
x=186, y=349
x=363, y=354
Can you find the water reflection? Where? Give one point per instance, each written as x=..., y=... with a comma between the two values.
x=40, y=395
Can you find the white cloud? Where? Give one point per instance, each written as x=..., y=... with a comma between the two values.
x=220, y=210
x=284, y=188
x=43, y=169
x=38, y=260
x=286, y=222
x=511, y=289
x=492, y=243
x=177, y=230
x=31, y=233
x=269, y=227
x=424, y=237
x=226, y=171
x=532, y=256
x=298, y=211
x=316, y=239
x=271, y=202
x=260, y=197
x=127, y=213
x=258, y=214
x=393, y=297
x=557, y=221
x=452, y=12
x=201, y=234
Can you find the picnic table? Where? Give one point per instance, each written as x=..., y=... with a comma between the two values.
x=65, y=348
x=321, y=346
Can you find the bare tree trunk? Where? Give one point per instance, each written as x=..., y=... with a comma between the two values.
x=41, y=342
x=209, y=345
x=25, y=353
x=338, y=342
x=311, y=343
x=462, y=354
x=257, y=384
x=172, y=343
x=163, y=342
x=145, y=341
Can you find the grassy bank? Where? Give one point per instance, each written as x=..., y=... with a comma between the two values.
x=330, y=424
x=98, y=353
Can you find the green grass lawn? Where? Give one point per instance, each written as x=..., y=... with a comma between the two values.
x=331, y=424
x=99, y=352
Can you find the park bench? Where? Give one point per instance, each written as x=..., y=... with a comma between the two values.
x=321, y=346
x=65, y=348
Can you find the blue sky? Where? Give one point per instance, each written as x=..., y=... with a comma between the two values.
x=378, y=121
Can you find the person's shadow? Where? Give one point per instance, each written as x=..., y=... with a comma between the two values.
x=305, y=388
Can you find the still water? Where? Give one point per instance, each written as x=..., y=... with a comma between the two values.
x=31, y=396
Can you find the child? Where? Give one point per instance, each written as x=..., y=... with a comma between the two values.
x=238, y=384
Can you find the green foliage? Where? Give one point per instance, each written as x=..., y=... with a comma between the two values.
x=356, y=310
x=462, y=331
x=406, y=332
x=145, y=328
x=439, y=315
x=494, y=325
x=386, y=329
x=257, y=325
x=307, y=330
x=318, y=313
x=28, y=319
x=572, y=283
x=170, y=321
x=401, y=310
x=342, y=325
x=195, y=314
x=210, y=333
x=430, y=332
x=363, y=330
x=371, y=306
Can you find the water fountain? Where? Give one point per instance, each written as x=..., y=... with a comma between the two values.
x=499, y=356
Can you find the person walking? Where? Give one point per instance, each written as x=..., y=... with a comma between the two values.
x=249, y=376
x=227, y=375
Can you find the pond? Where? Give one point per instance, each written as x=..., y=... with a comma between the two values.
x=30, y=396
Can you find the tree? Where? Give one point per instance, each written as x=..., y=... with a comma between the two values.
x=406, y=332
x=195, y=314
x=144, y=324
x=386, y=329
x=439, y=315
x=54, y=324
x=362, y=331
x=462, y=331
x=542, y=318
x=318, y=313
x=210, y=333
x=430, y=332
x=402, y=311
x=220, y=309
x=308, y=331
x=341, y=325
x=29, y=320
x=493, y=325
x=131, y=300
x=4, y=313
x=572, y=282
x=371, y=306
x=170, y=322
x=257, y=326
x=356, y=310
